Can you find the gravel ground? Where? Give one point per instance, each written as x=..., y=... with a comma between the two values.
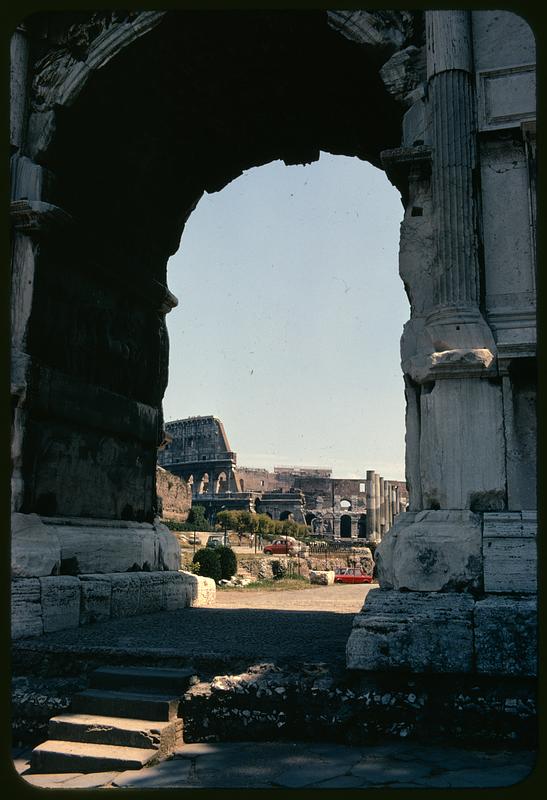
x=338, y=598
x=293, y=626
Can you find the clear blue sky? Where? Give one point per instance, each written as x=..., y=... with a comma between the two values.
x=290, y=315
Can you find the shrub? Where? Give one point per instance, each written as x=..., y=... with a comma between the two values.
x=209, y=563
x=228, y=561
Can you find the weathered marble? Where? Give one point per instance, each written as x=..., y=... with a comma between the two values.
x=26, y=608
x=432, y=551
x=506, y=636
x=510, y=552
x=125, y=599
x=94, y=546
x=35, y=548
x=175, y=594
x=60, y=600
x=412, y=631
x=200, y=591
x=95, y=598
x=151, y=593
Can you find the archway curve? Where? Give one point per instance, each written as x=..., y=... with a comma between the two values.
x=345, y=526
x=131, y=158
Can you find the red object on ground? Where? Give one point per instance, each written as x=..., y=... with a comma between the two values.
x=351, y=575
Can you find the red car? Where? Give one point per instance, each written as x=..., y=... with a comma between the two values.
x=351, y=575
x=281, y=546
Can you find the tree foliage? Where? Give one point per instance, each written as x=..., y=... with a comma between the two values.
x=209, y=563
x=247, y=522
x=198, y=517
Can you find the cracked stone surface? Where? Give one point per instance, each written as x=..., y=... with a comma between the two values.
x=298, y=765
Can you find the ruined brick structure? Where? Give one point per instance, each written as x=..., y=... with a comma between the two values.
x=175, y=495
x=119, y=122
x=197, y=450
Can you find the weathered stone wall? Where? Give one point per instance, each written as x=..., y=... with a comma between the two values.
x=175, y=494
x=271, y=702
x=58, y=602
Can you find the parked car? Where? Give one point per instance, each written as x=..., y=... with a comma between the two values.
x=285, y=546
x=215, y=541
x=193, y=538
x=351, y=575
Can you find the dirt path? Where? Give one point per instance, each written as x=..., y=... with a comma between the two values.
x=338, y=599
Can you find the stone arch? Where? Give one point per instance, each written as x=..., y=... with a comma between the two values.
x=204, y=484
x=345, y=504
x=345, y=526
x=221, y=482
x=128, y=125
x=114, y=304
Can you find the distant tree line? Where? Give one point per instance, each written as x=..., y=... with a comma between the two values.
x=261, y=524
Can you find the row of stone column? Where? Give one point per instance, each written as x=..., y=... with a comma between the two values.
x=383, y=504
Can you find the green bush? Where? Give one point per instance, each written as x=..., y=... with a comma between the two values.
x=228, y=561
x=209, y=563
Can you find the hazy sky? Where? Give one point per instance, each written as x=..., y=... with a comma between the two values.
x=290, y=315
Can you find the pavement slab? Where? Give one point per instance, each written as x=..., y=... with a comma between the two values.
x=171, y=774
x=72, y=781
x=340, y=782
x=307, y=775
x=493, y=777
x=295, y=765
x=385, y=771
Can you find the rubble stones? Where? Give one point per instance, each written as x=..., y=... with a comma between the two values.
x=322, y=577
x=312, y=702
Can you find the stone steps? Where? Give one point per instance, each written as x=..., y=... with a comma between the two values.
x=127, y=720
x=143, y=678
x=132, y=705
x=117, y=731
x=57, y=756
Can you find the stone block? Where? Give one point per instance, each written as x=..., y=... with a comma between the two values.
x=462, y=453
x=200, y=591
x=437, y=551
x=99, y=547
x=95, y=597
x=175, y=591
x=506, y=636
x=60, y=602
x=322, y=577
x=26, y=608
x=151, y=592
x=125, y=599
x=509, y=552
x=168, y=549
x=35, y=547
x=417, y=632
